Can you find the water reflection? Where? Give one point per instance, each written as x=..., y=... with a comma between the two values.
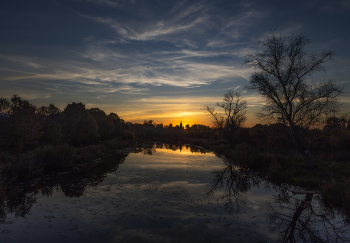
x=149, y=149
x=299, y=218
x=291, y=213
x=169, y=192
x=234, y=182
x=18, y=199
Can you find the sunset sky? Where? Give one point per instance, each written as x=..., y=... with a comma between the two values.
x=155, y=60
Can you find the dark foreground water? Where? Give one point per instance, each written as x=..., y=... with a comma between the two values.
x=164, y=193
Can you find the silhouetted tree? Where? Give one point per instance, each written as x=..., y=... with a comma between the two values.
x=78, y=126
x=119, y=124
x=5, y=106
x=233, y=116
x=159, y=125
x=281, y=78
x=48, y=110
x=22, y=126
x=50, y=117
x=104, y=122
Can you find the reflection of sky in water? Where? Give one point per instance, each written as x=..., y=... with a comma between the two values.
x=150, y=198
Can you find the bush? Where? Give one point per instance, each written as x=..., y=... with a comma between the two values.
x=128, y=135
x=274, y=169
x=335, y=193
x=23, y=166
x=5, y=158
x=55, y=156
x=250, y=156
x=88, y=153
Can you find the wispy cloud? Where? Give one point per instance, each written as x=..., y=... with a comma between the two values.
x=170, y=71
x=179, y=21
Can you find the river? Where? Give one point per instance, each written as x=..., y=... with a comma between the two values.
x=164, y=193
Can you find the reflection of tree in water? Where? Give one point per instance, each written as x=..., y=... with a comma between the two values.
x=20, y=204
x=151, y=148
x=145, y=149
x=18, y=199
x=173, y=147
x=300, y=220
x=235, y=182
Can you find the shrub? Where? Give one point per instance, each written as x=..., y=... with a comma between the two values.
x=55, y=156
x=128, y=135
x=88, y=153
x=250, y=156
x=274, y=169
x=83, y=155
x=23, y=166
x=5, y=157
x=337, y=193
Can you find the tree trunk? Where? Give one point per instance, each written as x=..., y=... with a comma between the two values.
x=304, y=151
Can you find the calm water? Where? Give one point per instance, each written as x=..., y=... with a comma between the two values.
x=163, y=193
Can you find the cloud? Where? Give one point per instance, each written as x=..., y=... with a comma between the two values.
x=29, y=95
x=108, y=2
x=178, y=21
x=126, y=89
x=148, y=70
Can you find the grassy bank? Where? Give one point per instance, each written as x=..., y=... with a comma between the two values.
x=46, y=158
x=332, y=179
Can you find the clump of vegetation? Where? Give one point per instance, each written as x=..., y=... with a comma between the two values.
x=128, y=135
x=247, y=155
x=88, y=153
x=46, y=158
x=22, y=166
x=55, y=156
x=337, y=194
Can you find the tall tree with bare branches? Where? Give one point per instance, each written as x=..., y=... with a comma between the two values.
x=283, y=71
x=232, y=117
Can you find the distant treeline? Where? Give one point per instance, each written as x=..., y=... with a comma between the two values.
x=22, y=125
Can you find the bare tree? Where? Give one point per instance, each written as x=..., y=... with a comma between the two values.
x=233, y=116
x=283, y=69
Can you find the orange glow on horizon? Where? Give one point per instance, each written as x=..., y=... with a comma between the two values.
x=165, y=122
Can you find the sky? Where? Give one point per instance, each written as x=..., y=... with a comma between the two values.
x=156, y=60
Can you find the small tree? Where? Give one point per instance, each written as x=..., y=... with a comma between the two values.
x=281, y=78
x=233, y=116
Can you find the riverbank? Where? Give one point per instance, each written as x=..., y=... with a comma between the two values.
x=46, y=158
x=330, y=178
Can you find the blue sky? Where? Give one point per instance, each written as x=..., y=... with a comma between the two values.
x=159, y=60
